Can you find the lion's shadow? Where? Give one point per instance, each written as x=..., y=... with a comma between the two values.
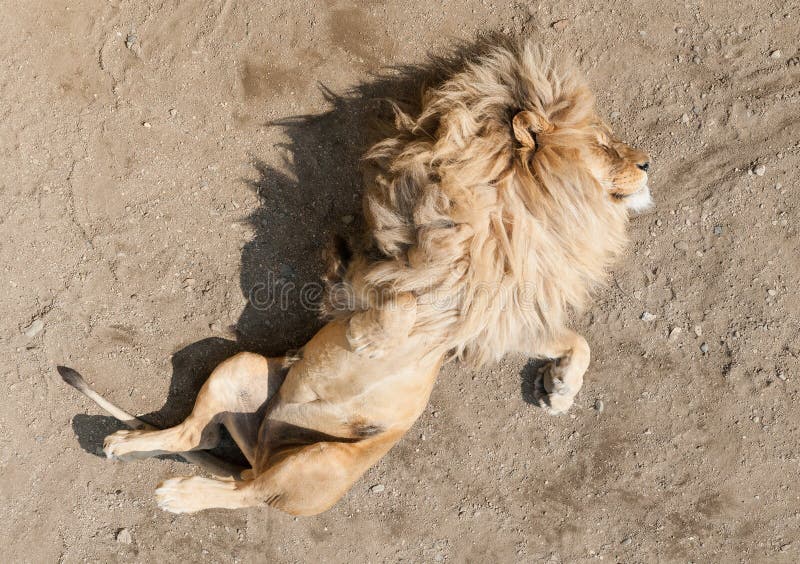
x=316, y=194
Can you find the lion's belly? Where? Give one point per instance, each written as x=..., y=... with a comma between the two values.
x=334, y=394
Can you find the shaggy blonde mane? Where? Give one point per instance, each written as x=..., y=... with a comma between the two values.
x=498, y=236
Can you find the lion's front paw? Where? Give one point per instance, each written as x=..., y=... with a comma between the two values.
x=375, y=332
x=551, y=391
x=365, y=338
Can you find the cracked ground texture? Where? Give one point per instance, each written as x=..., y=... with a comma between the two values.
x=151, y=183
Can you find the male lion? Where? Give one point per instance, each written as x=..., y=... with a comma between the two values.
x=494, y=207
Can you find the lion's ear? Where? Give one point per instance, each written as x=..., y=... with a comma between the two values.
x=526, y=125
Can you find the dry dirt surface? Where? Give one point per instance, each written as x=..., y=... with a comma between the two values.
x=163, y=161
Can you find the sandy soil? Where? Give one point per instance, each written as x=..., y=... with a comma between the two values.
x=146, y=191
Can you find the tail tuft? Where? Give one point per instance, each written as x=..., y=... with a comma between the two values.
x=72, y=378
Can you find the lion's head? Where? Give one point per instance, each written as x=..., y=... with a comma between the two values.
x=621, y=169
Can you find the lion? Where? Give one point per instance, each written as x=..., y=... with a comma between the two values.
x=494, y=207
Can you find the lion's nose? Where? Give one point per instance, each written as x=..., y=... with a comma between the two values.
x=644, y=166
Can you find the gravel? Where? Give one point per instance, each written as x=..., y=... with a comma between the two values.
x=34, y=328
x=124, y=536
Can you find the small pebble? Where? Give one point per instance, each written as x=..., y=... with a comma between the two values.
x=560, y=25
x=34, y=328
x=772, y=292
x=704, y=348
x=675, y=332
x=124, y=536
x=781, y=376
x=776, y=54
x=685, y=118
x=647, y=316
x=130, y=41
x=599, y=406
x=681, y=245
x=760, y=170
x=377, y=488
x=717, y=230
x=785, y=547
x=626, y=541
x=173, y=112
x=146, y=124
x=698, y=330
x=347, y=219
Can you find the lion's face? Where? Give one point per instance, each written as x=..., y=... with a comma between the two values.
x=620, y=169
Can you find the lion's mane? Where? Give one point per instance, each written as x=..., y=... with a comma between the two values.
x=498, y=240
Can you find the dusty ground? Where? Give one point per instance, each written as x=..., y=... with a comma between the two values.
x=144, y=196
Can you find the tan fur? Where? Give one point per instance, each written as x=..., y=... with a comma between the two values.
x=494, y=208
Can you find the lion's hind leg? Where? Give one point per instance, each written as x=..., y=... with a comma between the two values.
x=234, y=395
x=191, y=494
x=300, y=481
